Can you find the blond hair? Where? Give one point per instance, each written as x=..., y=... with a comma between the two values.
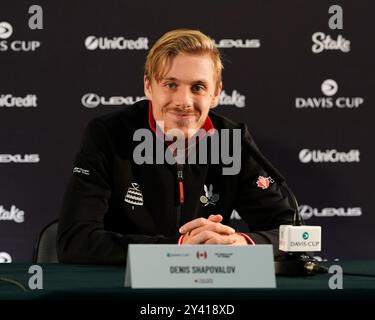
x=180, y=41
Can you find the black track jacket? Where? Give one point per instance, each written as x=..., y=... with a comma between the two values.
x=111, y=201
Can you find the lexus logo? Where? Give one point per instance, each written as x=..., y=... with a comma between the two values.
x=238, y=43
x=19, y=158
x=329, y=87
x=90, y=100
x=308, y=212
x=6, y=30
x=5, y=257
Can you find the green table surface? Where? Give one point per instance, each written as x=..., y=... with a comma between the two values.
x=107, y=282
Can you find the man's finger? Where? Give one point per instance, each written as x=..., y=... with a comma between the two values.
x=191, y=225
x=215, y=227
x=221, y=240
x=200, y=238
x=215, y=217
x=199, y=222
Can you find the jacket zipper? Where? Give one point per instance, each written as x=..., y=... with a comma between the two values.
x=180, y=180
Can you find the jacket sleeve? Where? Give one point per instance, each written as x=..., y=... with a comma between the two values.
x=264, y=210
x=82, y=238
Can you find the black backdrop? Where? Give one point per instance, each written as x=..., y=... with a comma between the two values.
x=273, y=80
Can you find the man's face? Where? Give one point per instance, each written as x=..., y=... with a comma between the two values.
x=184, y=95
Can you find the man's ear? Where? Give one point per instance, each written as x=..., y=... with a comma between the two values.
x=147, y=87
x=216, y=97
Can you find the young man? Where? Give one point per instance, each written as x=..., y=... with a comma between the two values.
x=114, y=198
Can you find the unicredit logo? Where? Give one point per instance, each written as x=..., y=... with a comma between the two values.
x=13, y=214
x=308, y=212
x=6, y=30
x=5, y=257
x=9, y=101
x=318, y=156
x=329, y=87
x=116, y=43
x=19, y=158
x=92, y=100
x=325, y=42
x=238, y=43
x=233, y=99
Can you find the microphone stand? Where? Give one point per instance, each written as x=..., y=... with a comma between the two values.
x=287, y=263
x=296, y=264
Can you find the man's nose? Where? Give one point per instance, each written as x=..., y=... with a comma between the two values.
x=183, y=97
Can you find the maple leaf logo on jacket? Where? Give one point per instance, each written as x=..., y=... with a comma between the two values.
x=264, y=182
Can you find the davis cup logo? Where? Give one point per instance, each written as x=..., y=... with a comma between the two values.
x=328, y=100
x=6, y=30
x=329, y=87
x=5, y=257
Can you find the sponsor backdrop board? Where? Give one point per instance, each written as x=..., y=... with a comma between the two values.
x=304, y=89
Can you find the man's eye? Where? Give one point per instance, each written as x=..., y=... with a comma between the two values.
x=197, y=88
x=171, y=85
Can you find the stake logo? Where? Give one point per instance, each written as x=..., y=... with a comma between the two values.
x=14, y=214
x=323, y=42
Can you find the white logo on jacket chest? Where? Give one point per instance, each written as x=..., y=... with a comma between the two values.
x=209, y=197
x=134, y=195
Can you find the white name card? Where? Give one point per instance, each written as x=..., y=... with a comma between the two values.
x=198, y=266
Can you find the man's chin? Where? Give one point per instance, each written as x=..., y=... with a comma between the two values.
x=181, y=130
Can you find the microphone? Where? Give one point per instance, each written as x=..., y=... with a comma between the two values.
x=294, y=240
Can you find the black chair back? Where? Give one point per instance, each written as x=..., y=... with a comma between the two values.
x=45, y=250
